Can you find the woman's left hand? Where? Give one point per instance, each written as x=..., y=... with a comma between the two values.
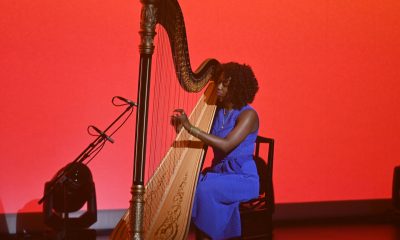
x=180, y=119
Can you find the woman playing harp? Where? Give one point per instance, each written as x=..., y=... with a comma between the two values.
x=233, y=176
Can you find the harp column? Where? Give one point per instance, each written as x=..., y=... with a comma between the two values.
x=147, y=32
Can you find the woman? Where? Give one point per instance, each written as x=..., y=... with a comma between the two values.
x=232, y=177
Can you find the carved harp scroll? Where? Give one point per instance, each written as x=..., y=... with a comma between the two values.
x=168, y=14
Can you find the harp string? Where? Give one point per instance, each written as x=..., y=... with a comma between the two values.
x=166, y=95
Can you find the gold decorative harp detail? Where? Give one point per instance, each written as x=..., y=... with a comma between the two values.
x=162, y=209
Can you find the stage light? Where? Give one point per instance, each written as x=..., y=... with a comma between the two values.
x=66, y=194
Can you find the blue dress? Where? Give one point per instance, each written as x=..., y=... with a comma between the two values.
x=233, y=179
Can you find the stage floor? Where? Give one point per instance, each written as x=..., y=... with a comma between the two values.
x=299, y=231
x=329, y=231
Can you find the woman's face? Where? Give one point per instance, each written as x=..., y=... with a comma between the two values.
x=222, y=88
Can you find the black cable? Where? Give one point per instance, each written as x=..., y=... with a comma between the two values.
x=101, y=146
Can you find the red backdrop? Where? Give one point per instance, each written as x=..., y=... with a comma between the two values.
x=328, y=71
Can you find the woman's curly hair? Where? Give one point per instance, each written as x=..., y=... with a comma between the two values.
x=243, y=84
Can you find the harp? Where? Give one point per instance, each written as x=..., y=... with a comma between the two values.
x=161, y=209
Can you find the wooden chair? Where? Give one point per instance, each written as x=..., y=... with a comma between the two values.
x=256, y=215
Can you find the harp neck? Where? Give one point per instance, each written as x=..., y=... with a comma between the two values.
x=168, y=14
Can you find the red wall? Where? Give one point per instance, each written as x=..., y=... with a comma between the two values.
x=328, y=70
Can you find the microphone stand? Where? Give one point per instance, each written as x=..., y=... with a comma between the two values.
x=62, y=176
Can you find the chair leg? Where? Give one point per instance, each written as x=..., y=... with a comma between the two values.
x=257, y=225
x=201, y=235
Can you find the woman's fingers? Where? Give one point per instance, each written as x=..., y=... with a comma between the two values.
x=179, y=110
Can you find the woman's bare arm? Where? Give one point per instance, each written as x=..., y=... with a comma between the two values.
x=246, y=123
